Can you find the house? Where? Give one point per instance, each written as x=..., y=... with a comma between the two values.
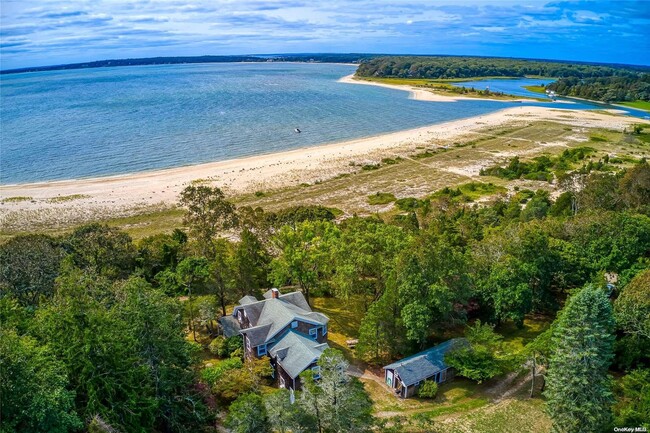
x=282, y=327
x=406, y=375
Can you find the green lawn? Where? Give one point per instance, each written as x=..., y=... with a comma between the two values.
x=536, y=89
x=639, y=105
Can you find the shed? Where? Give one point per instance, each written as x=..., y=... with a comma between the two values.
x=406, y=375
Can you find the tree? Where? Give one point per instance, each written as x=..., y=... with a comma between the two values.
x=250, y=263
x=635, y=185
x=479, y=358
x=34, y=388
x=247, y=414
x=539, y=352
x=633, y=306
x=208, y=214
x=632, y=407
x=304, y=254
x=28, y=267
x=578, y=387
x=101, y=249
x=189, y=271
x=337, y=401
x=284, y=416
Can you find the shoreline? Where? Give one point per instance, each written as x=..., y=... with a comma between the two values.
x=71, y=202
x=421, y=94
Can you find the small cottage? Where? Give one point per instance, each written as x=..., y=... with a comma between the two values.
x=406, y=375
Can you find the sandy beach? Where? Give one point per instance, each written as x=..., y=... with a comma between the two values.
x=76, y=200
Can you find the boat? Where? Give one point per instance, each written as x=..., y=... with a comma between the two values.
x=297, y=130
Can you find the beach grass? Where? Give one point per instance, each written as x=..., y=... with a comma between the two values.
x=536, y=89
x=16, y=199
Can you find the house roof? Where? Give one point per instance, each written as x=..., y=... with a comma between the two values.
x=270, y=316
x=248, y=299
x=425, y=364
x=230, y=326
x=295, y=353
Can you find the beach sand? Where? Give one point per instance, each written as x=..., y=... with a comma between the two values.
x=75, y=201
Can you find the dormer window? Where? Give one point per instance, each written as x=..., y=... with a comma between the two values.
x=324, y=330
x=294, y=324
x=313, y=333
x=261, y=350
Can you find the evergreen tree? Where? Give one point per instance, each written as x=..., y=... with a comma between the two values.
x=247, y=415
x=578, y=393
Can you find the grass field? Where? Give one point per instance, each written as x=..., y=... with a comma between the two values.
x=640, y=105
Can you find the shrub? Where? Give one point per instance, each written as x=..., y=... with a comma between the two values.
x=381, y=198
x=212, y=374
x=225, y=347
x=428, y=389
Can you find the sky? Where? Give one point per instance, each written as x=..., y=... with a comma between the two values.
x=47, y=32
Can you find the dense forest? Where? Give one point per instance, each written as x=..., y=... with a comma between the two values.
x=606, y=89
x=100, y=333
x=448, y=67
x=607, y=83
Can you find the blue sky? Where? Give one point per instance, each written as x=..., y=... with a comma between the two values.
x=45, y=32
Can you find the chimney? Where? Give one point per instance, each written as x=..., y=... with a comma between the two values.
x=275, y=293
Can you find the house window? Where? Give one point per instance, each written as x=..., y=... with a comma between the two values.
x=324, y=330
x=282, y=382
x=294, y=324
x=316, y=371
x=261, y=350
x=272, y=370
x=313, y=333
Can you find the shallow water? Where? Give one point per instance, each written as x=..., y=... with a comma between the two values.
x=94, y=122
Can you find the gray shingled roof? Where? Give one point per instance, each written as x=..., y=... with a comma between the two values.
x=425, y=364
x=270, y=316
x=230, y=326
x=248, y=299
x=295, y=352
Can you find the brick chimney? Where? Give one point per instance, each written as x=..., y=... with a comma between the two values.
x=275, y=293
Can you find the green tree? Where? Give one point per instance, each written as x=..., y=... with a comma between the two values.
x=632, y=407
x=635, y=185
x=337, y=401
x=578, y=388
x=480, y=357
x=304, y=254
x=428, y=389
x=247, y=414
x=250, y=263
x=34, y=388
x=104, y=250
x=633, y=306
x=284, y=416
x=208, y=214
x=29, y=265
x=190, y=271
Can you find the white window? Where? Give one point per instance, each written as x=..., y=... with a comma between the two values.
x=316, y=370
x=294, y=324
x=324, y=330
x=313, y=333
x=261, y=350
x=282, y=382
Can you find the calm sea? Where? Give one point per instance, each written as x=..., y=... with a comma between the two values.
x=95, y=122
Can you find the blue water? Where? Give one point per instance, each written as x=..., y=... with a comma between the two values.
x=94, y=122
x=509, y=86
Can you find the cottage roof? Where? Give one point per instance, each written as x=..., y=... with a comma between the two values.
x=230, y=326
x=295, y=353
x=248, y=299
x=425, y=364
x=270, y=316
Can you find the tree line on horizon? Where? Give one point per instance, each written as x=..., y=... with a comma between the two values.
x=100, y=333
x=607, y=83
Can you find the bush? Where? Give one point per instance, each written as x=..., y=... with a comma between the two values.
x=381, y=198
x=428, y=389
x=226, y=347
x=212, y=374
